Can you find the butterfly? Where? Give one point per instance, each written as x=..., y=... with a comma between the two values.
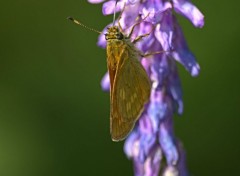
x=130, y=85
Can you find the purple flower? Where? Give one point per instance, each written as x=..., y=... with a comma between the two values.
x=153, y=136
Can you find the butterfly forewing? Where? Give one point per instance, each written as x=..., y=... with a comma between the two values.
x=130, y=91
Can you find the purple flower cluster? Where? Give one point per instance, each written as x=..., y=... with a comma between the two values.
x=152, y=145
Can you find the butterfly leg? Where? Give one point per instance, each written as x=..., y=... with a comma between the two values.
x=142, y=36
x=132, y=29
x=153, y=53
x=119, y=18
x=119, y=25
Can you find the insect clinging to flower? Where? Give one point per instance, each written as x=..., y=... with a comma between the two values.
x=130, y=85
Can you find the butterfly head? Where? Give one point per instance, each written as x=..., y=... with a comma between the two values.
x=113, y=33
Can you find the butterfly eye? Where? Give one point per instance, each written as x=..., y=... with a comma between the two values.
x=106, y=36
x=119, y=36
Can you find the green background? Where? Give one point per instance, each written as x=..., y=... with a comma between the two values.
x=54, y=118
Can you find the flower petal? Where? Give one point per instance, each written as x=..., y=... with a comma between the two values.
x=129, y=16
x=174, y=87
x=171, y=171
x=190, y=11
x=102, y=41
x=181, y=165
x=159, y=71
x=153, y=162
x=187, y=59
x=182, y=54
x=168, y=146
x=109, y=7
x=157, y=109
x=95, y=1
x=132, y=2
x=164, y=31
x=131, y=145
x=101, y=38
x=147, y=137
x=105, y=82
x=148, y=43
x=154, y=10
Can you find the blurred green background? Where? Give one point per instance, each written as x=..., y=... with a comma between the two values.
x=54, y=118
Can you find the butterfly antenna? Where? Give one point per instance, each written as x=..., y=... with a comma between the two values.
x=114, y=13
x=79, y=23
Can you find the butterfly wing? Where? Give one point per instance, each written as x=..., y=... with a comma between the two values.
x=130, y=91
